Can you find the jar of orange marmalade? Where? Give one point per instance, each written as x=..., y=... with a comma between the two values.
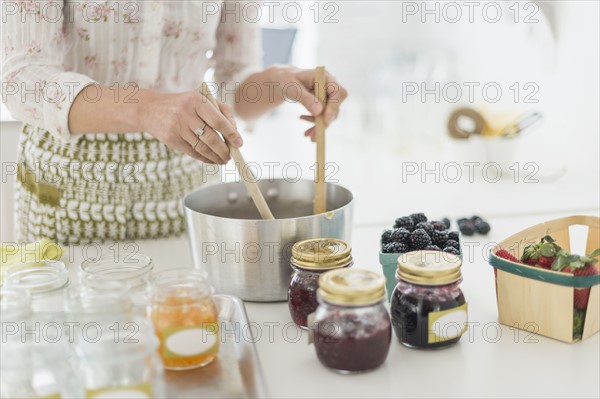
x=185, y=318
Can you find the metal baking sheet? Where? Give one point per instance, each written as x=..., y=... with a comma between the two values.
x=235, y=373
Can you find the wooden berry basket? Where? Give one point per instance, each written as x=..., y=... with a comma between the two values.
x=540, y=300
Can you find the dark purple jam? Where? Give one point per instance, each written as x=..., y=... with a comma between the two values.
x=410, y=313
x=347, y=344
x=302, y=296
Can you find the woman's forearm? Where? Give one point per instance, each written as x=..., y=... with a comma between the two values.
x=270, y=95
x=281, y=83
x=101, y=109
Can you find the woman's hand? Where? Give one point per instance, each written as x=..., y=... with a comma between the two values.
x=287, y=83
x=173, y=119
x=336, y=94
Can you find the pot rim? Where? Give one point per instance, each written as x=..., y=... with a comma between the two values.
x=209, y=186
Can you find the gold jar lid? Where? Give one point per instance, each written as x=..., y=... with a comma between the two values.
x=321, y=253
x=429, y=267
x=351, y=287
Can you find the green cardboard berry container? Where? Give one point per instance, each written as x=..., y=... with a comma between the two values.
x=542, y=301
x=389, y=264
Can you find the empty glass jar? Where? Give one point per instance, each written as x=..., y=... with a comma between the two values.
x=15, y=306
x=44, y=280
x=133, y=269
x=310, y=259
x=428, y=307
x=33, y=351
x=121, y=363
x=352, y=330
x=185, y=318
x=102, y=303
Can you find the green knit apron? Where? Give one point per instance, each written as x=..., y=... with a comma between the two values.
x=102, y=187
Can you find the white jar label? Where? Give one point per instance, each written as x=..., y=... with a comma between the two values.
x=181, y=342
x=447, y=324
x=141, y=391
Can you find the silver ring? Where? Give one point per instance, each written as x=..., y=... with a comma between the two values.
x=200, y=131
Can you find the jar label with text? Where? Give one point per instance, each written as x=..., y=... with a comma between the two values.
x=181, y=342
x=447, y=324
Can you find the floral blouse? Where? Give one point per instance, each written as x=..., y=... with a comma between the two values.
x=53, y=49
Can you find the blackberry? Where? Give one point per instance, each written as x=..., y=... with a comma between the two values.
x=451, y=250
x=386, y=237
x=395, y=248
x=453, y=244
x=482, y=227
x=446, y=222
x=400, y=235
x=467, y=227
x=405, y=222
x=425, y=226
x=420, y=239
x=432, y=248
x=439, y=238
x=418, y=217
x=453, y=235
x=438, y=226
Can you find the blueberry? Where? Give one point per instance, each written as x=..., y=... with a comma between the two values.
x=467, y=227
x=482, y=227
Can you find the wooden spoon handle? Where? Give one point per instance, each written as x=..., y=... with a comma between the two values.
x=250, y=179
x=320, y=201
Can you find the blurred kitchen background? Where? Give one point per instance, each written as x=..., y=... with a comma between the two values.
x=544, y=55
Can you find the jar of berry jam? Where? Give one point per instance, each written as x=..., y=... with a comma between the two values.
x=352, y=330
x=310, y=259
x=428, y=308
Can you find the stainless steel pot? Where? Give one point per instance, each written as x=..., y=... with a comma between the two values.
x=249, y=257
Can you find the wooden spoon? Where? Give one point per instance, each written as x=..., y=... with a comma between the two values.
x=320, y=200
x=240, y=163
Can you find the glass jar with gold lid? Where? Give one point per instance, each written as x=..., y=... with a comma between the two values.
x=428, y=307
x=310, y=259
x=352, y=329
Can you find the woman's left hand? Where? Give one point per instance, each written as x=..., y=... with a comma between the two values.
x=280, y=83
x=336, y=94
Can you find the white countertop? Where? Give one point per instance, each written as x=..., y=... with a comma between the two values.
x=482, y=364
x=514, y=365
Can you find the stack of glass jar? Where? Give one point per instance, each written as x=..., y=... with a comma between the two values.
x=109, y=335
x=34, y=353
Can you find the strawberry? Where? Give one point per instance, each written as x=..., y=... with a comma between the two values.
x=581, y=296
x=588, y=270
x=504, y=254
x=542, y=254
x=579, y=266
x=545, y=262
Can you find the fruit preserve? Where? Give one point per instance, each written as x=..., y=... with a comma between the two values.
x=310, y=259
x=185, y=319
x=428, y=308
x=352, y=330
